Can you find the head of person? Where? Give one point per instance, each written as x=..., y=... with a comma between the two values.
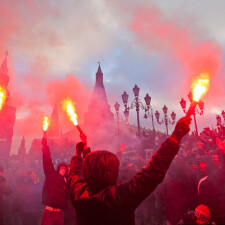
x=100, y=169
x=215, y=158
x=202, y=214
x=33, y=176
x=62, y=169
x=200, y=145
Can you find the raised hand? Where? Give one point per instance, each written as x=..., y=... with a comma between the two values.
x=182, y=128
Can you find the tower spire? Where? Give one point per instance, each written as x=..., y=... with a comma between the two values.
x=99, y=76
x=22, y=148
x=4, y=67
x=98, y=109
x=4, y=78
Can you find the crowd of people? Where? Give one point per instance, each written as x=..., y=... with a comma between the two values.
x=183, y=183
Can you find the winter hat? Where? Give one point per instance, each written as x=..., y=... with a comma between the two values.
x=202, y=213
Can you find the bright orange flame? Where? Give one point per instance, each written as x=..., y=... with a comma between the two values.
x=2, y=97
x=45, y=123
x=68, y=106
x=200, y=87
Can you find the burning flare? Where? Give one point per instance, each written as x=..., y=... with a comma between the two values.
x=2, y=97
x=200, y=87
x=45, y=123
x=68, y=106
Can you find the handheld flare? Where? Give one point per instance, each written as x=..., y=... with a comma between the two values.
x=191, y=109
x=2, y=97
x=68, y=106
x=45, y=125
x=79, y=129
x=199, y=89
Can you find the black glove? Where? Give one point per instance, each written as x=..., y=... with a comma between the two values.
x=182, y=128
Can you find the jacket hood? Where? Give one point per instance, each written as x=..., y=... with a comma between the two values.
x=100, y=169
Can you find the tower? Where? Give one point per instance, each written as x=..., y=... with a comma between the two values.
x=98, y=110
x=7, y=113
x=22, y=149
x=99, y=120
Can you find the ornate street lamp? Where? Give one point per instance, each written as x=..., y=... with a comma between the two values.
x=125, y=98
x=223, y=114
x=136, y=90
x=126, y=114
x=197, y=111
x=149, y=111
x=117, y=108
x=219, y=120
x=137, y=104
x=166, y=119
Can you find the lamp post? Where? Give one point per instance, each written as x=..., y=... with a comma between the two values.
x=117, y=108
x=137, y=104
x=219, y=119
x=196, y=111
x=166, y=119
x=149, y=111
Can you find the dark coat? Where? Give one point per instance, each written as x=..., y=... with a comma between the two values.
x=212, y=194
x=55, y=192
x=116, y=204
x=4, y=190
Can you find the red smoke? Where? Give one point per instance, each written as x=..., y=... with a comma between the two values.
x=30, y=124
x=19, y=23
x=159, y=34
x=72, y=88
x=31, y=115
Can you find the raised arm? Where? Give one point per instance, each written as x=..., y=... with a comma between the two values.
x=47, y=160
x=131, y=194
x=76, y=180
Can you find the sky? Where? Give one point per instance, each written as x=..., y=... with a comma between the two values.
x=161, y=46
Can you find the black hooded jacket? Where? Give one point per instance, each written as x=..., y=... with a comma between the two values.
x=113, y=204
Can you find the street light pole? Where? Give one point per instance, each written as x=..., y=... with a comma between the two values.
x=117, y=108
x=196, y=128
x=201, y=107
x=138, y=119
x=149, y=114
x=166, y=119
x=138, y=105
